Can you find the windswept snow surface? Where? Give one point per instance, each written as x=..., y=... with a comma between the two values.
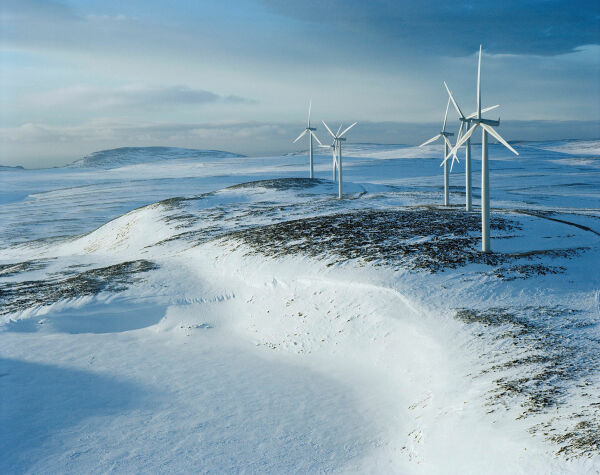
x=207, y=312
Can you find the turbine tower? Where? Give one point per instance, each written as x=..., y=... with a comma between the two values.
x=466, y=120
x=334, y=161
x=337, y=147
x=447, y=145
x=486, y=128
x=311, y=133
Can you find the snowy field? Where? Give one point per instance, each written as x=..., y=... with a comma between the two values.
x=171, y=310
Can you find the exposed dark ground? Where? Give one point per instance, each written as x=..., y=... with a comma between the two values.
x=15, y=296
x=537, y=363
x=420, y=239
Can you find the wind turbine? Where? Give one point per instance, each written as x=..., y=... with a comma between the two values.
x=466, y=120
x=337, y=147
x=311, y=133
x=486, y=128
x=447, y=145
x=334, y=161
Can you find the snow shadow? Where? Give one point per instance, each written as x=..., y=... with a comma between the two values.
x=251, y=414
x=92, y=318
x=39, y=400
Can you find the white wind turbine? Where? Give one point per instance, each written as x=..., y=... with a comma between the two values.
x=447, y=146
x=486, y=128
x=334, y=156
x=311, y=133
x=337, y=149
x=466, y=120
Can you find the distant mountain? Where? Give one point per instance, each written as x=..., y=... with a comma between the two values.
x=7, y=168
x=119, y=157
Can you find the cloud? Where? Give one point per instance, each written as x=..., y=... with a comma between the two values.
x=36, y=10
x=378, y=60
x=545, y=27
x=107, y=130
x=130, y=96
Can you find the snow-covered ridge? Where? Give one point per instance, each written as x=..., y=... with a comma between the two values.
x=8, y=168
x=573, y=147
x=118, y=157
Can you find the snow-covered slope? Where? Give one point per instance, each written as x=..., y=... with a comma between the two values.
x=240, y=319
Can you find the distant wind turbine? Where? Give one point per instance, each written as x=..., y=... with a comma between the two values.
x=334, y=161
x=447, y=145
x=466, y=120
x=486, y=128
x=311, y=133
x=337, y=144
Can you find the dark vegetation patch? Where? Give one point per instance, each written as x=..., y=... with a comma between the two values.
x=224, y=221
x=180, y=201
x=426, y=239
x=282, y=184
x=582, y=438
x=116, y=278
x=182, y=220
x=431, y=240
x=540, y=357
x=525, y=271
x=7, y=270
x=279, y=184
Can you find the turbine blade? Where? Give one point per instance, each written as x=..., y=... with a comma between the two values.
x=487, y=109
x=337, y=134
x=496, y=135
x=316, y=138
x=453, y=101
x=432, y=139
x=300, y=136
x=446, y=116
x=328, y=129
x=463, y=139
x=309, y=107
x=454, y=157
x=458, y=136
x=347, y=129
x=479, y=86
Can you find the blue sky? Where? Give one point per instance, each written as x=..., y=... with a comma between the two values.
x=85, y=75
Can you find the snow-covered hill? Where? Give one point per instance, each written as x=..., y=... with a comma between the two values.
x=232, y=315
x=4, y=168
x=119, y=157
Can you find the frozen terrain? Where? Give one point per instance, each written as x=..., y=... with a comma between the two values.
x=172, y=310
